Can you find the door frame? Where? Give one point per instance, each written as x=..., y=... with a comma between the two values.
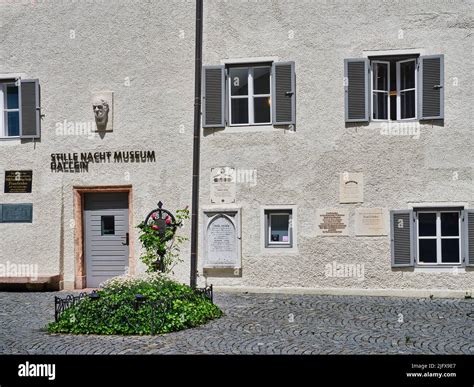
x=80, y=274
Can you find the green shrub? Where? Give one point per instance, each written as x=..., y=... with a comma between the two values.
x=117, y=312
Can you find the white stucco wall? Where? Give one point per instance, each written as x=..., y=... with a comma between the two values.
x=302, y=168
x=152, y=44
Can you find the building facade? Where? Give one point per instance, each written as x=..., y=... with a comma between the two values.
x=336, y=150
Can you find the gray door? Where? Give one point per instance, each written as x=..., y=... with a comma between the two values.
x=106, y=236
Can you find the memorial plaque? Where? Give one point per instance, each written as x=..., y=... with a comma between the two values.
x=16, y=213
x=222, y=185
x=222, y=241
x=332, y=222
x=351, y=187
x=370, y=222
x=18, y=181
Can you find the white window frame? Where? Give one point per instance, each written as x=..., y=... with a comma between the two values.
x=387, y=92
x=399, y=91
x=4, y=110
x=250, y=96
x=438, y=239
x=271, y=243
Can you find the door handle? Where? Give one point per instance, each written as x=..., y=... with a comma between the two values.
x=436, y=87
x=127, y=240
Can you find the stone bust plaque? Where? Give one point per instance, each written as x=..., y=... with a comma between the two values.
x=103, y=107
x=222, y=240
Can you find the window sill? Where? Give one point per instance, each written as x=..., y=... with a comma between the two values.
x=279, y=251
x=248, y=129
x=456, y=268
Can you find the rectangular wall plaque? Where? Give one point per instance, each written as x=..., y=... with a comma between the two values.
x=332, y=222
x=16, y=213
x=18, y=181
x=223, y=185
x=351, y=187
x=370, y=222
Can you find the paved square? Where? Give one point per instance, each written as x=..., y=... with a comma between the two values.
x=264, y=324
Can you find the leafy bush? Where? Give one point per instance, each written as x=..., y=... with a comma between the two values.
x=168, y=306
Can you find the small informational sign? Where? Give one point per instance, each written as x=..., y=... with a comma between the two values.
x=222, y=185
x=16, y=213
x=332, y=222
x=351, y=187
x=18, y=181
x=370, y=222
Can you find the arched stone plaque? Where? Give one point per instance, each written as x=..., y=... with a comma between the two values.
x=222, y=240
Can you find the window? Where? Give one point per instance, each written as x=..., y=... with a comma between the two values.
x=394, y=88
x=107, y=225
x=249, y=97
x=9, y=110
x=261, y=93
x=394, y=91
x=279, y=229
x=439, y=237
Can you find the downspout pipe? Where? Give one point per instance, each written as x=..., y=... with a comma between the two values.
x=196, y=144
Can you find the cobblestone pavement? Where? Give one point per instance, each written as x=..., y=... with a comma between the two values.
x=264, y=324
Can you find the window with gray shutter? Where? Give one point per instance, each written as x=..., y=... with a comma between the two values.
x=356, y=90
x=468, y=234
x=431, y=81
x=284, y=93
x=30, y=109
x=213, y=109
x=402, y=230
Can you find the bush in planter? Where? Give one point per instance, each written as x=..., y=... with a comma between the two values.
x=117, y=312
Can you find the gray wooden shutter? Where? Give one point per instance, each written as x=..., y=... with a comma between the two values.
x=356, y=89
x=431, y=85
x=283, y=93
x=468, y=235
x=30, y=126
x=402, y=238
x=213, y=104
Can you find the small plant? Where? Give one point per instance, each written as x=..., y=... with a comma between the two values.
x=161, y=244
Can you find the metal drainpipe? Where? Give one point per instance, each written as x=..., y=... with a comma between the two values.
x=196, y=144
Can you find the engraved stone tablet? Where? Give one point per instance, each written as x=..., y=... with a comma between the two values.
x=222, y=185
x=370, y=222
x=332, y=222
x=351, y=187
x=222, y=240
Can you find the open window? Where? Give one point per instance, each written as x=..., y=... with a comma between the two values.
x=19, y=108
x=394, y=88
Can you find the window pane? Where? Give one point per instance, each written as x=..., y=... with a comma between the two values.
x=407, y=104
x=261, y=80
x=279, y=228
x=380, y=106
x=407, y=75
x=380, y=75
x=12, y=97
x=427, y=250
x=13, y=123
x=450, y=250
x=449, y=224
x=239, y=81
x=240, y=111
x=261, y=107
x=427, y=224
x=107, y=225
